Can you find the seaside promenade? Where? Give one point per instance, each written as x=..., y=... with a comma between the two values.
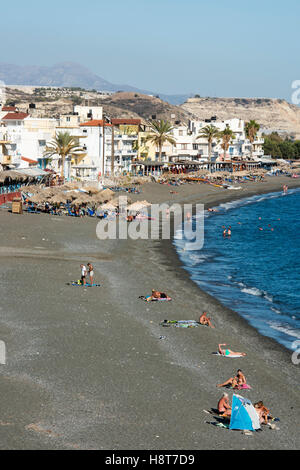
x=91, y=369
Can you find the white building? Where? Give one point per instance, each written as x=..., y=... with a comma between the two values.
x=24, y=138
x=97, y=159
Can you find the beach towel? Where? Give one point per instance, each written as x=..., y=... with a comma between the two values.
x=231, y=355
x=180, y=323
x=166, y=299
x=79, y=284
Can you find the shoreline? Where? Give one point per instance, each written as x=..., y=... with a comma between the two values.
x=95, y=369
x=180, y=265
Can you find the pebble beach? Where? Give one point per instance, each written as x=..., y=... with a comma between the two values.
x=93, y=369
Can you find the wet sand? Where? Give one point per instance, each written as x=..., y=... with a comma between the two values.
x=88, y=369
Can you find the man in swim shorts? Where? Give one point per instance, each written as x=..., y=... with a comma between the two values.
x=224, y=407
x=83, y=274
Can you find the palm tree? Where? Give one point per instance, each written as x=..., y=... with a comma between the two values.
x=227, y=137
x=63, y=145
x=160, y=132
x=210, y=133
x=251, y=128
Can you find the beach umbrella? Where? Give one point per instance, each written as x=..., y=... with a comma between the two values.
x=82, y=199
x=92, y=190
x=58, y=199
x=138, y=205
x=108, y=194
x=70, y=195
x=37, y=199
x=108, y=207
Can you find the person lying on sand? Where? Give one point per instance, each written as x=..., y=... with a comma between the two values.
x=228, y=352
x=156, y=295
x=224, y=407
x=205, y=320
x=235, y=382
x=262, y=412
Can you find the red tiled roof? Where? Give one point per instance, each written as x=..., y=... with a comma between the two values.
x=15, y=116
x=94, y=123
x=129, y=122
x=29, y=160
x=8, y=108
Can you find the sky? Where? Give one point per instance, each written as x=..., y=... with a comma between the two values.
x=209, y=47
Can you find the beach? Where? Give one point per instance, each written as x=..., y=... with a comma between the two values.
x=93, y=369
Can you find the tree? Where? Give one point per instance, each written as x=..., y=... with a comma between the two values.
x=252, y=128
x=63, y=145
x=160, y=132
x=210, y=133
x=227, y=136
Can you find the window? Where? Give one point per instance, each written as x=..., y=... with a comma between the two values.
x=181, y=133
x=68, y=119
x=195, y=146
x=42, y=143
x=183, y=146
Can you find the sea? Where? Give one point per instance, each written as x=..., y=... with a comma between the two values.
x=256, y=271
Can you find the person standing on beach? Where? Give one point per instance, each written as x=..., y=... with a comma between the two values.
x=83, y=274
x=91, y=273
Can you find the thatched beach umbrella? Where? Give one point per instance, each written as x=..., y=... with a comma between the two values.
x=92, y=190
x=108, y=207
x=37, y=199
x=108, y=194
x=58, y=199
x=82, y=199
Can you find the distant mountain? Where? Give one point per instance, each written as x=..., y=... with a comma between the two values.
x=69, y=74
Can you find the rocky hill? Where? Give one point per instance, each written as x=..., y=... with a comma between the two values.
x=272, y=114
x=51, y=102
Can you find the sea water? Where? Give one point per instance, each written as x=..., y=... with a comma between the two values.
x=256, y=271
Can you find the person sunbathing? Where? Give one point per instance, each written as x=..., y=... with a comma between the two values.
x=224, y=407
x=156, y=295
x=262, y=412
x=236, y=382
x=228, y=352
x=205, y=320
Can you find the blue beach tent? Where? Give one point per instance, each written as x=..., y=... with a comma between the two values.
x=243, y=415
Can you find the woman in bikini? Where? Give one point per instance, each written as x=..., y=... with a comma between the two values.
x=236, y=382
x=228, y=352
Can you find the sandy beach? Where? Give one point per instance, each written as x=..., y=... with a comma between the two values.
x=93, y=369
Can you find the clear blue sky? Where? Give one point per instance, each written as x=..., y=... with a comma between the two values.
x=210, y=47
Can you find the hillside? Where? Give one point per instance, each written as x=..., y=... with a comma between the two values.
x=51, y=102
x=272, y=114
x=69, y=74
